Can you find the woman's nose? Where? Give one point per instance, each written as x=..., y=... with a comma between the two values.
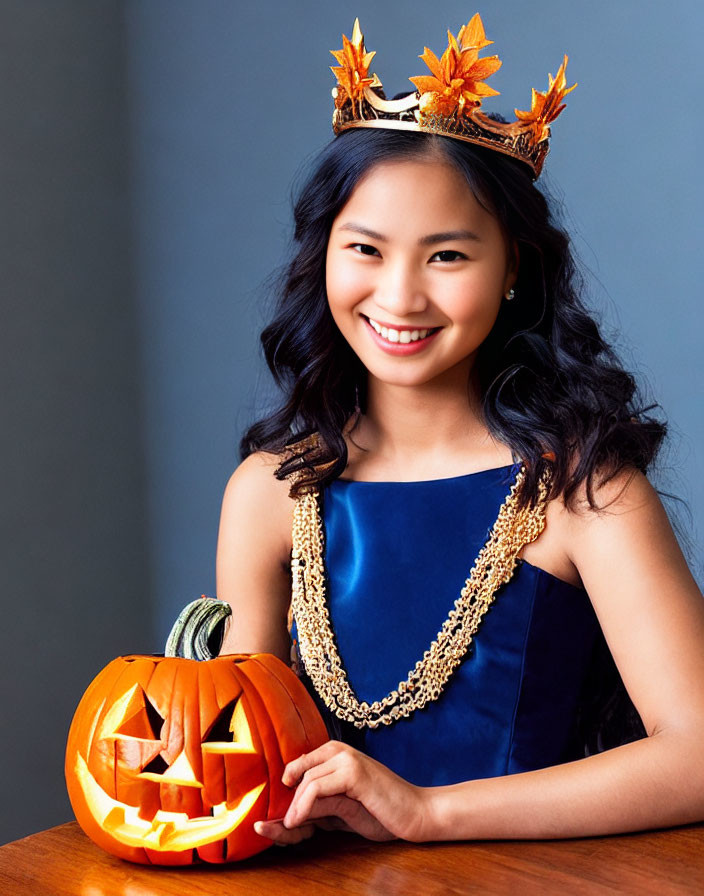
x=399, y=291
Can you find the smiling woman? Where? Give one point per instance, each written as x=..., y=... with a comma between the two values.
x=448, y=396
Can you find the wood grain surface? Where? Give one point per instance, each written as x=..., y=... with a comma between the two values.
x=62, y=861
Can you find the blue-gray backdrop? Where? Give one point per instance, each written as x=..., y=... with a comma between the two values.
x=148, y=150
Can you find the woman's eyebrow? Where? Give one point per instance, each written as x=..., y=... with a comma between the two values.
x=429, y=240
x=365, y=231
x=447, y=236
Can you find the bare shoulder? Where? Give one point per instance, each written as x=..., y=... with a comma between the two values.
x=257, y=474
x=625, y=491
x=647, y=601
x=626, y=505
x=253, y=557
x=259, y=503
x=627, y=543
x=627, y=527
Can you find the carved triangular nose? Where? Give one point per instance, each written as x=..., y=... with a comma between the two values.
x=180, y=772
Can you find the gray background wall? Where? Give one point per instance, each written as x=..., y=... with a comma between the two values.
x=148, y=149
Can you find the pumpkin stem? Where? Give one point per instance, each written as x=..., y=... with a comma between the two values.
x=198, y=632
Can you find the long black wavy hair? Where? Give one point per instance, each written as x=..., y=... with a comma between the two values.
x=552, y=389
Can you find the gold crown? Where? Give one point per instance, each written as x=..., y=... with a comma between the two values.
x=447, y=102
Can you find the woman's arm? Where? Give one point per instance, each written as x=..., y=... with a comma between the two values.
x=652, y=615
x=253, y=558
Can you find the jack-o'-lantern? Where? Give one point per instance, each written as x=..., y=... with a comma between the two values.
x=171, y=760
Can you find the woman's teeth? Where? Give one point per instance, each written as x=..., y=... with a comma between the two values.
x=393, y=335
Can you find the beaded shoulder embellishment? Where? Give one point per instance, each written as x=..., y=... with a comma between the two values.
x=513, y=529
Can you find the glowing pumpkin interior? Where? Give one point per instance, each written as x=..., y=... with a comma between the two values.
x=171, y=761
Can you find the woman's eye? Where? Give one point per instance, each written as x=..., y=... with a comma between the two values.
x=449, y=255
x=364, y=249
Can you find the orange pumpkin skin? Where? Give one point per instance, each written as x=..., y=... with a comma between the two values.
x=171, y=761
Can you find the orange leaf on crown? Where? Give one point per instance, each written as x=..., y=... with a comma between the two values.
x=458, y=77
x=352, y=73
x=545, y=107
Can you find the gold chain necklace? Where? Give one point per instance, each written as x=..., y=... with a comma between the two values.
x=494, y=566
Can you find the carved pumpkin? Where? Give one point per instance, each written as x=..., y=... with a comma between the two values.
x=171, y=760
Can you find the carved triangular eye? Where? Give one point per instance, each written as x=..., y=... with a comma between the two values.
x=134, y=725
x=146, y=722
x=230, y=732
x=220, y=729
x=132, y=716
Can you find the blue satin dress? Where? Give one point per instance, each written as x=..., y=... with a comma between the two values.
x=397, y=555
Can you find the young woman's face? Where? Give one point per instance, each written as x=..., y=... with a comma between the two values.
x=416, y=271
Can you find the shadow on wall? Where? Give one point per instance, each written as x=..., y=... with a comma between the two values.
x=72, y=549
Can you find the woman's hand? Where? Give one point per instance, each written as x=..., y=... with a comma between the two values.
x=340, y=788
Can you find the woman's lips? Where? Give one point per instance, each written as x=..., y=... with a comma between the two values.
x=400, y=340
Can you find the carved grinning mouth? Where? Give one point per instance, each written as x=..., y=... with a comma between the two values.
x=167, y=830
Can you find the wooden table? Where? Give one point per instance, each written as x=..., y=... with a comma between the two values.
x=64, y=862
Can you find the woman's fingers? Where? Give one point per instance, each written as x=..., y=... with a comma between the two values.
x=325, y=780
x=345, y=814
x=337, y=780
x=281, y=835
x=295, y=769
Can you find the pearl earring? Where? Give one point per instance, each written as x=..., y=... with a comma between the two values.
x=511, y=294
